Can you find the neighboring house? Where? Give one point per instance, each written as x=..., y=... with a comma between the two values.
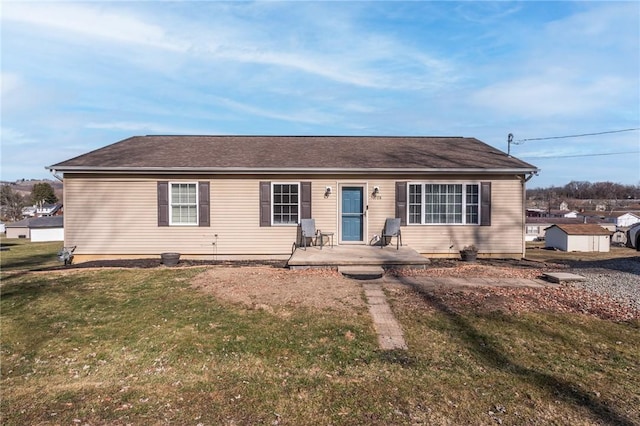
x=578, y=237
x=620, y=219
x=242, y=197
x=563, y=213
x=38, y=229
x=42, y=210
x=535, y=227
x=47, y=228
x=624, y=220
x=2, y=228
x=18, y=229
x=536, y=212
x=551, y=213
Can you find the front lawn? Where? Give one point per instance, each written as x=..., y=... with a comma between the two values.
x=144, y=346
x=22, y=254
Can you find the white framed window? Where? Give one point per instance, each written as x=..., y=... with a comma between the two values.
x=533, y=230
x=444, y=203
x=285, y=203
x=183, y=200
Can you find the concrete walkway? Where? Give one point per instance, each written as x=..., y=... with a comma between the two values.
x=387, y=328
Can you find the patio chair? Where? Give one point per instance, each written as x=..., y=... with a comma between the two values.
x=391, y=229
x=307, y=230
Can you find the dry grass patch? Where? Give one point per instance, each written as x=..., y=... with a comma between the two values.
x=172, y=345
x=268, y=288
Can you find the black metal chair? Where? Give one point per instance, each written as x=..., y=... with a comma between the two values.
x=391, y=229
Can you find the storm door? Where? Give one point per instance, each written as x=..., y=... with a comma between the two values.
x=352, y=214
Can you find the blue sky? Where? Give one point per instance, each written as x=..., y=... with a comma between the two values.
x=77, y=76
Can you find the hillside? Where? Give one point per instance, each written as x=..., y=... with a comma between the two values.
x=24, y=186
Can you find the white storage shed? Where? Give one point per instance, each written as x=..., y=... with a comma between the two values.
x=578, y=237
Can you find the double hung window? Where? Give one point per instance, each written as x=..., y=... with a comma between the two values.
x=184, y=204
x=286, y=203
x=449, y=203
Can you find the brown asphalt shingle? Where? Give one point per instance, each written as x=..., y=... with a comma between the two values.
x=583, y=229
x=294, y=152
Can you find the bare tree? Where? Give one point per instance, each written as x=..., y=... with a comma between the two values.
x=11, y=203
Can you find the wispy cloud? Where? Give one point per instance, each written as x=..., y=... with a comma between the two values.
x=12, y=137
x=579, y=66
x=78, y=75
x=85, y=20
x=141, y=127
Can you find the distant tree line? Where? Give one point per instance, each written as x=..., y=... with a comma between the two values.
x=583, y=190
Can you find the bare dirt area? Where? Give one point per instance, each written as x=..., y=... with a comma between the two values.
x=516, y=300
x=489, y=268
x=612, y=290
x=262, y=287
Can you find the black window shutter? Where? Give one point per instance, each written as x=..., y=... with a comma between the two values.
x=305, y=200
x=265, y=203
x=163, y=203
x=401, y=202
x=204, y=210
x=485, y=203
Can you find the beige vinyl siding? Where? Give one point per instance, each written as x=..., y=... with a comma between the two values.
x=109, y=216
x=504, y=236
x=119, y=216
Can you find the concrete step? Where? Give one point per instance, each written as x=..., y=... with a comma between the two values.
x=362, y=272
x=562, y=277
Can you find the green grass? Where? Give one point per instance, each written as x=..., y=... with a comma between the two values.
x=24, y=255
x=142, y=346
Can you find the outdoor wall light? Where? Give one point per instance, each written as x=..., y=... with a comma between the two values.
x=376, y=191
x=327, y=192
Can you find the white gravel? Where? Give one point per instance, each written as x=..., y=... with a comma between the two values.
x=616, y=278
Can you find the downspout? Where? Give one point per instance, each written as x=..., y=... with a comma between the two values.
x=53, y=172
x=523, y=181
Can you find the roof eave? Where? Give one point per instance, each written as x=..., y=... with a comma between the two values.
x=277, y=170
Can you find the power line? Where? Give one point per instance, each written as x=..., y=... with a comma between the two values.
x=510, y=140
x=578, y=136
x=584, y=155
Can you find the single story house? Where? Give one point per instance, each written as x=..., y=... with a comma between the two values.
x=624, y=220
x=578, y=237
x=242, y=197
x=47, y=228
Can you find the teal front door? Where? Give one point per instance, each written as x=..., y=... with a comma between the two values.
x=352, y=213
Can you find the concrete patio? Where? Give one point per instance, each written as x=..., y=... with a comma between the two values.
x=356, y=255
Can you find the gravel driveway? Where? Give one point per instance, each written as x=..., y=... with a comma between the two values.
x=616, y=278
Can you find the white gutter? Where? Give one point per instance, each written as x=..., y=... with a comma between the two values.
x=274, y=170
x=53, y=172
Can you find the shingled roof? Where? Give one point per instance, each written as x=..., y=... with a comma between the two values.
x=582, y=229
x=296, y=153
